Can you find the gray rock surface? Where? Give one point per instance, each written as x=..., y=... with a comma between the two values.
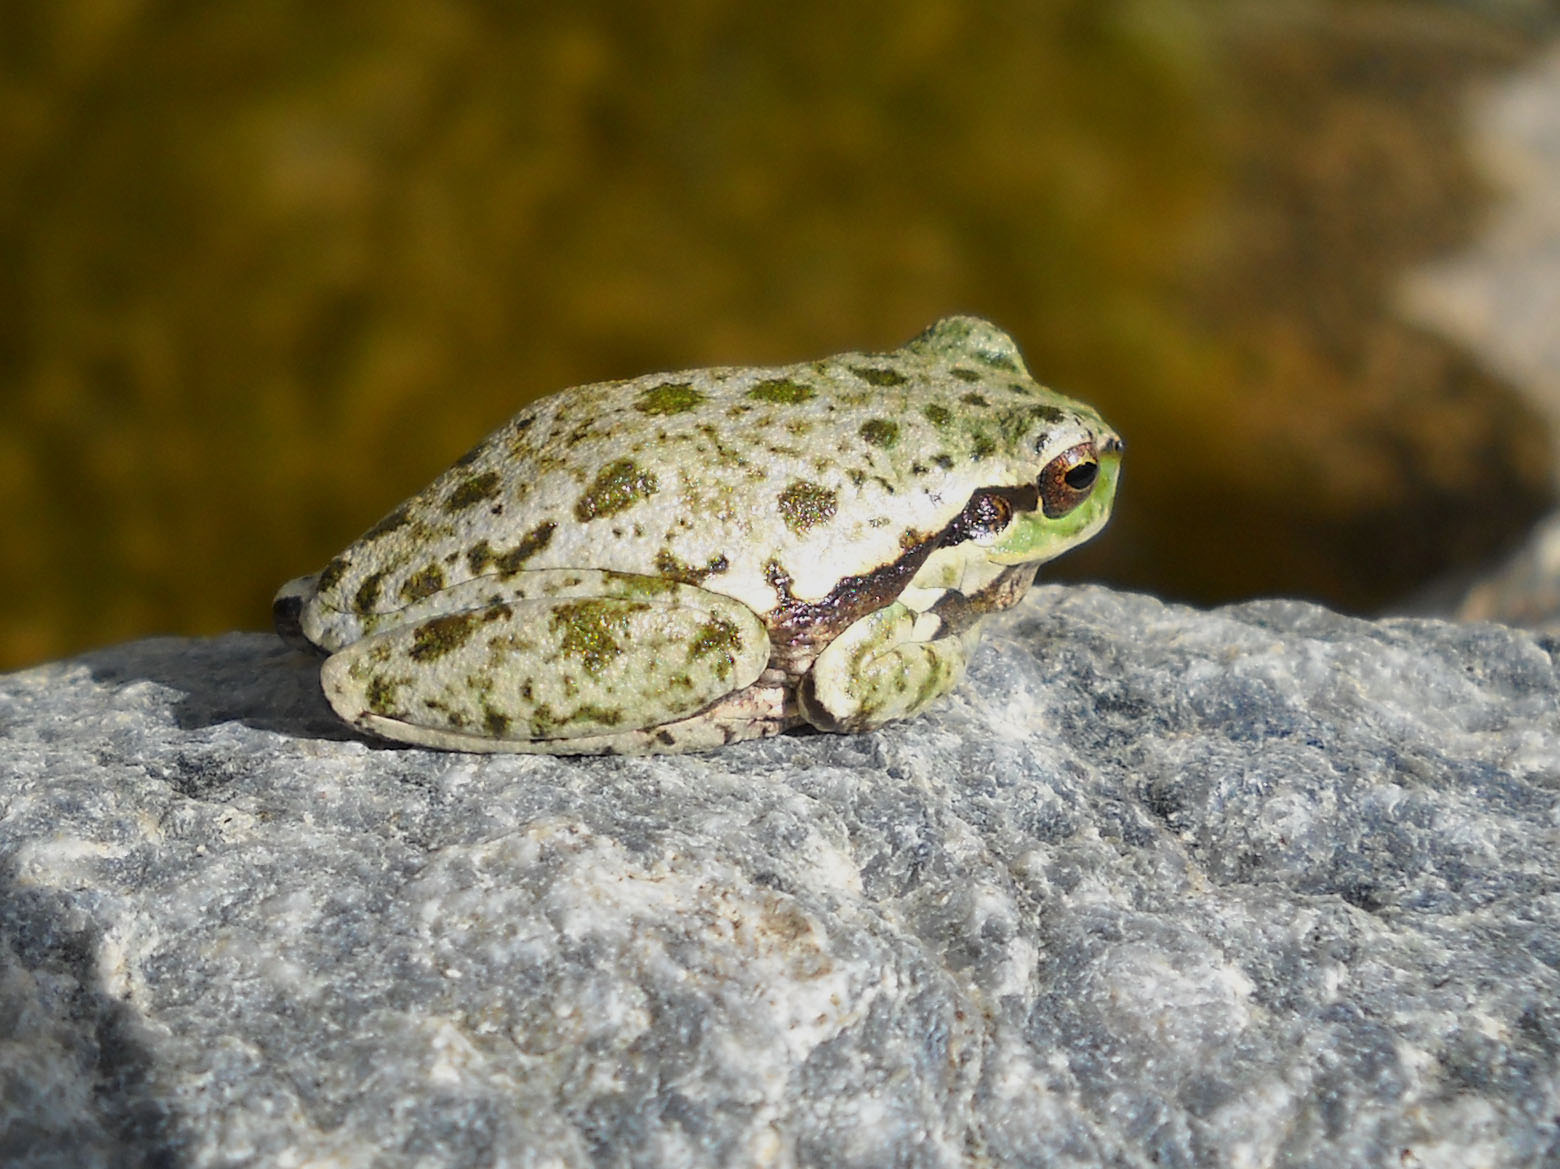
x=1262, y=886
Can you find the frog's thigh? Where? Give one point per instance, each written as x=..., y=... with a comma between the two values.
x=878, y=669
x=524, y=673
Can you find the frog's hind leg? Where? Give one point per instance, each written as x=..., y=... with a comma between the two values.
x=562, y=663
x=890, y=664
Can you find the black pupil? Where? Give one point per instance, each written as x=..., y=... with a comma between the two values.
x=1081, y=477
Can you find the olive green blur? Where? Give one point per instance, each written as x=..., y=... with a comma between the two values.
x=267, y=267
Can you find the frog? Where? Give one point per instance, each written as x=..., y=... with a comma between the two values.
x=680, y=561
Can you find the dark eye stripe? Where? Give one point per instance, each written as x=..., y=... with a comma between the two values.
x=989, y=510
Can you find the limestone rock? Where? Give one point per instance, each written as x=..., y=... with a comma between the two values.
x=1259, y=886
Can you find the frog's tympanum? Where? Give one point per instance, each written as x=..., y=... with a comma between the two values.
x=683, y=560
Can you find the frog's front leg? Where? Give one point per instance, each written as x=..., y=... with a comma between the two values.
x=561, y=662
x=890, y=664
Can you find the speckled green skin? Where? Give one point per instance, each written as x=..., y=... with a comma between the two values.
x=681, y=560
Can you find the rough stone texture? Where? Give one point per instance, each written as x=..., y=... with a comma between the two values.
x=1263, y=886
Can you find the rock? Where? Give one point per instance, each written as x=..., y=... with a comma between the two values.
x=1500, y=299
x=1526, y=589
x=1265, y=885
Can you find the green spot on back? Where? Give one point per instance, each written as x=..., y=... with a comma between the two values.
x=937, y=414
x=880, y=432
x=481, y=554
x=422, y=584
x=782, y=392
x=671, y=568
x=669, y=398
x=472, y=490
x=367, y=596
x=331, y=575
x=805, y=505
x=879, y=375
x=617, y=486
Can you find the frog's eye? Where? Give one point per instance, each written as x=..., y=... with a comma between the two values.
x=1068, y=480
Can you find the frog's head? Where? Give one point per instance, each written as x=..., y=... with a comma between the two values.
x=1059, y=460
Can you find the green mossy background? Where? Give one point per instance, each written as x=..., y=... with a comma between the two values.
x=267, y=267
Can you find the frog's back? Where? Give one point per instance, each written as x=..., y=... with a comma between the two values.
x=730, y=478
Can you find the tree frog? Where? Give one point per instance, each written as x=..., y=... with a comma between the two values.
x=683, y=560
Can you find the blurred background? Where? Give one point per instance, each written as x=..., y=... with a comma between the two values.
x=267, y=267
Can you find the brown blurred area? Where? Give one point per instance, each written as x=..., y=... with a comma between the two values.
x=266, y=267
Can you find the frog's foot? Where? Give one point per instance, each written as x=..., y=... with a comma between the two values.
x=621, y=665
x=890, y=664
